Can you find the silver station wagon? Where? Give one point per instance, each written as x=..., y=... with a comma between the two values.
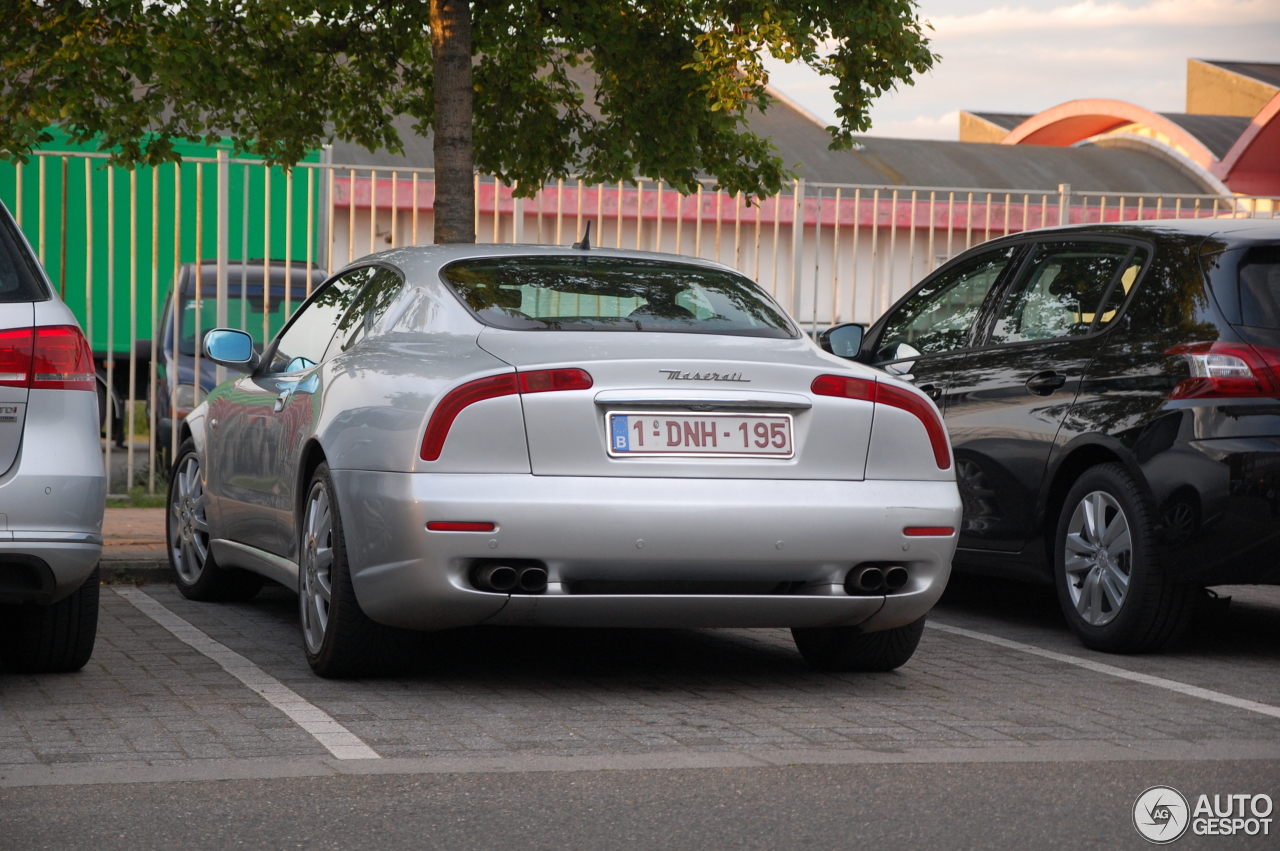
x=461, y=435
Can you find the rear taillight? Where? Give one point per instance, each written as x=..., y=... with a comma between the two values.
x=15, y=357
x=55, y=357
x=1227, y=370
x=895, y=397
x=453, y=403
x=62, y=360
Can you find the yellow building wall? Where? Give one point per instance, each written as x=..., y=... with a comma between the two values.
x=1214, y=91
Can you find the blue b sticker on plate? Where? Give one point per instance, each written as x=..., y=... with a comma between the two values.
x=618, y=425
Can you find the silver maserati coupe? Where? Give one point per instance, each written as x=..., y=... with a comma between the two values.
x=479, y=434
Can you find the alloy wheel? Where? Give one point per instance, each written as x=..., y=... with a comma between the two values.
x=317, y=568
x=1098, y=558
x=188, y=527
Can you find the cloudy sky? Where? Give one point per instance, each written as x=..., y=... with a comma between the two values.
x=1026, y=55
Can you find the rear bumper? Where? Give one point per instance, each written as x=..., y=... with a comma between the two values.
x=807, y=533
x=52, y=498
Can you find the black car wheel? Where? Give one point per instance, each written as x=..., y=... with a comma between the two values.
x=846, y=648
x=51, y=639
x=339, y=638
x=1112, y=587
x=195, y=572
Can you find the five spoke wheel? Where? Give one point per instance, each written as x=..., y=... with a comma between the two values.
x=188, y=527
x=316, y=567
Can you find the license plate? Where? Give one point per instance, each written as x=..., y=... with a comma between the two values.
x=634, y=433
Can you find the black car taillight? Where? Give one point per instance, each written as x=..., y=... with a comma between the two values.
x=1227, y=370
x=460, y=397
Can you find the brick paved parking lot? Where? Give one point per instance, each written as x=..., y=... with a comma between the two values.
x=482, y=698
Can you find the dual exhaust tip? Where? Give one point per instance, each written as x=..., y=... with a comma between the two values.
x=510, y=579
x=876, y=580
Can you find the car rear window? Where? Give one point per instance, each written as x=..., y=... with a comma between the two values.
x=1260, y=287
x=18, y=281
x=593, y=293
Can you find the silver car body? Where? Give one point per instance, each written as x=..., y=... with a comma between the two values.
x=52, y=481
x=538, y=467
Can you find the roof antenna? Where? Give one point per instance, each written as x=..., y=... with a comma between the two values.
x=585, y=245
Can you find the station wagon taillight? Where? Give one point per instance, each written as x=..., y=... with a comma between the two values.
x=1230, y=370
x=55, y=357
x=464, y=395
x=844, y=387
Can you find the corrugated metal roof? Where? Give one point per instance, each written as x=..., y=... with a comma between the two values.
x=1216, y=132
x=1267, y=73
x=1004, y=120
x=804, y=145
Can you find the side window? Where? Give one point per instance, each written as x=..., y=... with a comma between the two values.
x=938, y=317
x=366, y=309
x=307, y=337
x=1120, y=292
x=1060, y=291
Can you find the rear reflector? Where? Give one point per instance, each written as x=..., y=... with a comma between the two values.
x=544, y=380
x=1231, y=370
x=453, y=526
x=15, y=357
x=62, y=360
x=453, y=403
x=55, y=357
x=929, y=531
x=895, y=397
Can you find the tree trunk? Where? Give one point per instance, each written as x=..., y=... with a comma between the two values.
x=451, y=59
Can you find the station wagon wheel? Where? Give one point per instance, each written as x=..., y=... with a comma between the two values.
x=314, y=569
x=339, y=639
x=1112, y=585
x=188, y=531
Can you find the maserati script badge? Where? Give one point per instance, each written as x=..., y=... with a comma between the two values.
x=677, y=375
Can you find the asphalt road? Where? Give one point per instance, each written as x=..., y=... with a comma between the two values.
x=199, y=726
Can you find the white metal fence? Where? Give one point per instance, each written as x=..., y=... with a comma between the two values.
x=113, y=238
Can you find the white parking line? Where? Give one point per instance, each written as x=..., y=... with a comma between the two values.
x=340, y=741
x=1112, y=670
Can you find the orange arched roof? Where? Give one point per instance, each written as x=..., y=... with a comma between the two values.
x=1074, y=121
x=1252, y=166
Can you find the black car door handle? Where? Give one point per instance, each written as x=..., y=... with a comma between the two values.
x=1044, y=383
x=933, y=391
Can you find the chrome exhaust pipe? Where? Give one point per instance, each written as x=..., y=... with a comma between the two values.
x=864, y=580
x=533, y=580
x=895, y=578
x=498, y=577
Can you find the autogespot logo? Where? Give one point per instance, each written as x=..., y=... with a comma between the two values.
x=1160, y=814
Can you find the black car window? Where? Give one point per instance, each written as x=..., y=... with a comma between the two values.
x=1120, y=292
x=1059, y=291
x=1259, y=276
x=939, y=316
x=591, y=293
x=368, y=307
x=308, y=334
x=18, y=281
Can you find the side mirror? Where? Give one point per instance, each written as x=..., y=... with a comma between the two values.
x=843, y=341
x=901, y=366
x=231, y=348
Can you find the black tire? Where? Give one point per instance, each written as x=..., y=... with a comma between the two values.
x=51, y=639
x=1153, y=609
x=845, y=648
x=195, y=571
x=339, y=639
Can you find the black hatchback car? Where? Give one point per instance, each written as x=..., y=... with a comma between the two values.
x=1112, y=393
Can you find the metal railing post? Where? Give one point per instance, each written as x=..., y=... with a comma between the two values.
x=797, y=246
x=223, y=246
x=1064, y=204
